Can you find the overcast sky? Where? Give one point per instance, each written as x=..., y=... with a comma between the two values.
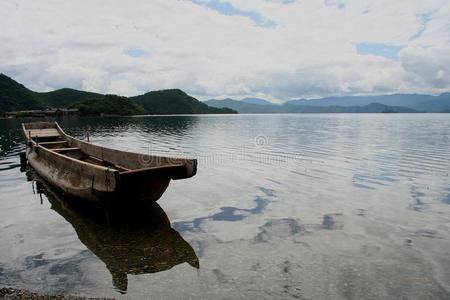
x=273, y=49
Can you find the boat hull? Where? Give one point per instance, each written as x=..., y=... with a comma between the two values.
x=65, y=177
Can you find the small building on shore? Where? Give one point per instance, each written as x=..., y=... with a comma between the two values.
x=50, y=112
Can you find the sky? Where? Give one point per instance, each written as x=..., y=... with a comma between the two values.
x=273, y=49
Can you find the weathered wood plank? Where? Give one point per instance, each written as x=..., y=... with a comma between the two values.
x=104, y=163
x=53, y=143
x=64, y=149
x=40, y=133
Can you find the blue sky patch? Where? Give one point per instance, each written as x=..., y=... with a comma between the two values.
x=227, y=9
x=424, y=19
x=136, y=52
x=340, y=4
x=388, y=51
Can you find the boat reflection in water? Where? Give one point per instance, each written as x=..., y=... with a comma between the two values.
x=136, y=240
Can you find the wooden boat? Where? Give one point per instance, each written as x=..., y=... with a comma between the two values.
x=97, y=173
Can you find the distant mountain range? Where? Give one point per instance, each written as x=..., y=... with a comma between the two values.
x=257, y=101
x=16, y=97
x=402, y=103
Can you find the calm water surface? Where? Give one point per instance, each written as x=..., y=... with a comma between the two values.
x=283, y=206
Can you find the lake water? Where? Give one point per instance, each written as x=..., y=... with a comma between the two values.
x=283, y=206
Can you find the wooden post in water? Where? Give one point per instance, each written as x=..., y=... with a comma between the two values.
x=23, y=161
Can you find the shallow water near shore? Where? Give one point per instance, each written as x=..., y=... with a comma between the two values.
x=317, y=206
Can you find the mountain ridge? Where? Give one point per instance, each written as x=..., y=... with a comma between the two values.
x=14, y=96
x=257, y=101
x=290, y=108
x=401, y=102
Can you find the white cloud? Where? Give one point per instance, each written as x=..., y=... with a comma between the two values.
x=427, y=67
x=48, y=44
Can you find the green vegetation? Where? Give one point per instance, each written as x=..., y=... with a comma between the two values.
x=16, y=97
x=110, y=105
x=24, y=114
x=175, y=102
x=65, y=97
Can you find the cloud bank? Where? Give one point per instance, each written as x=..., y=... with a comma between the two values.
x=275, y=49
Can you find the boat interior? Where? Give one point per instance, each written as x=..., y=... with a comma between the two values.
x=51, y=138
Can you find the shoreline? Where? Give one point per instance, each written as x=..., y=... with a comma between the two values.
x=13, y=293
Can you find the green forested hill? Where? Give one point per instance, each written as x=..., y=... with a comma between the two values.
x=65, y=97
x=14, y=96
x=175, y=102
x=109, y=104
